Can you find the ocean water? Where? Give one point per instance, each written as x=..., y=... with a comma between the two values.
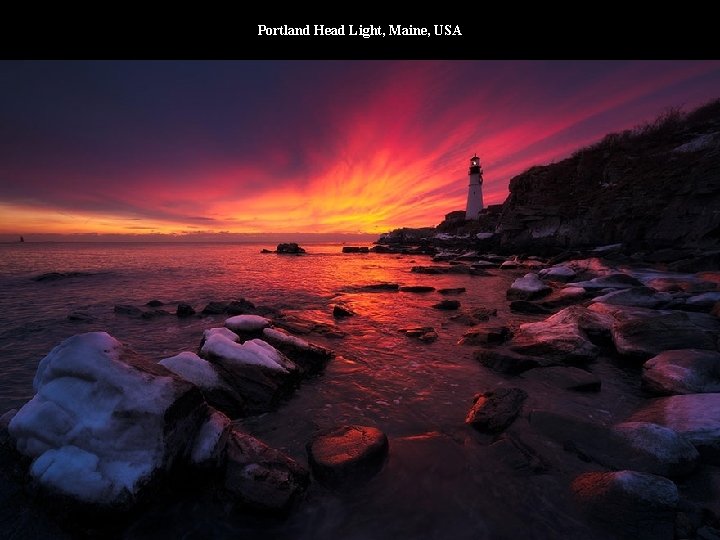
x=441, y=479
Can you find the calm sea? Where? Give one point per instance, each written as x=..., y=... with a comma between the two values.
x=438, y=482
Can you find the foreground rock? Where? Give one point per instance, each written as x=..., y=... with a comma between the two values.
x=261, y=477
x=641, y=446
x=104, y=422
x=347, y=453
x=494, y=411
x=528, y=287
x=447, y=305
x=694, y=416
x=629, y=503
x=685, y=371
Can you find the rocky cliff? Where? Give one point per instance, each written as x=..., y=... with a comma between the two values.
x=656, y=186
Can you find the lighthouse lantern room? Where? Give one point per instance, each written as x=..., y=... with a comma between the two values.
x=475, y=198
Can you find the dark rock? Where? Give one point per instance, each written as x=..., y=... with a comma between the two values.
x=298, y=324
x=523, y=306
x=347, y=453
x=504, y=360
x=684, y=371
x=703, y=302
x=264, y=250
x=154, y=303
x=694, y=416
x=641, y=446
x=417, y=288
x=569, y=378
x=240, y=307
x=517, y=456
x=452, y=290
x=342, y=311
x=447, y=305
x=494, y=411
x=154, y=313
x=380, y=287
x=611, y=281
x=486, y=335
x=451, y=269
x=423, y=333
x=702, y=263
x=482, y=314
x=261, y=477
x=564, y=297
x=131, y=311
x=689, y=284
x=355, y=249
x=631, y=504
x=215, y=308
x=644, y=334
x=80, y=316
x=290, y=248
x=185, y=310
x=636, y=296
x=527, y=287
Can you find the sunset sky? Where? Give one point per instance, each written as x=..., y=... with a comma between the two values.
x=200, y=147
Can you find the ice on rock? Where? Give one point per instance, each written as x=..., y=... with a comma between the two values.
x=253, y=352
x=285, y=338
x=97, y=427
x=222, y=331
x=193, y=369
x=247, y=323
x=209, y=441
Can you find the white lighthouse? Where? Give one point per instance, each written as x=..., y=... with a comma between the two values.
x=474, y=200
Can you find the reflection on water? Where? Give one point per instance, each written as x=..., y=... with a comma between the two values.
x=439, y=481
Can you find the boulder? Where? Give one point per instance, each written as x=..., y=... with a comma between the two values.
x=347, y=453
x=611, y=281
x=565, y=296
x=260, y=477
x=215, y=308
x=566, y=377
x=256, y=370
x=340, y=311
x=694, y=416
x=636, y=296
x=380, y=287
x=644, y=334
x=558, y=338
x=557, y=273
x=423, y=333
x=528, y=287
x=447, y=305
x=290, y=248
x=154, y=303
x=504, y=360
x=684, y=371
x=629, y=503
x=486, y=334
x=308, y=357
x=355, y=249
x=494, y=411
x=193, y=369
x=185, y=310
x=104, y=422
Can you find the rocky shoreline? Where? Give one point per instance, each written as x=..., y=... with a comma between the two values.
x=654, y=468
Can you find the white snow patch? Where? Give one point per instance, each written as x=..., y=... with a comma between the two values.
x=529, y=283
x=208, y=437
x=190, y=367
x=557, y=272
x=95, y=426
x=282, y=337
x=222, y=331
x=247, y=323
x=254, y=352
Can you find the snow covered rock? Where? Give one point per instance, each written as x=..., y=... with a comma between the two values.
x=307, y=356
x=208, y=450
x=247, y=323
x=259, y=476
x=528, y=287
x=222, y=331
x=255, y=369
x=195, y=370
x=557, y=273
x=684, y=371
x=104, y=421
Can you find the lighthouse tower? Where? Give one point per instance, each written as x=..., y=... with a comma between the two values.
x=475, y=199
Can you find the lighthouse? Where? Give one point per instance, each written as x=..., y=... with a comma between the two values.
x=475, y=199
